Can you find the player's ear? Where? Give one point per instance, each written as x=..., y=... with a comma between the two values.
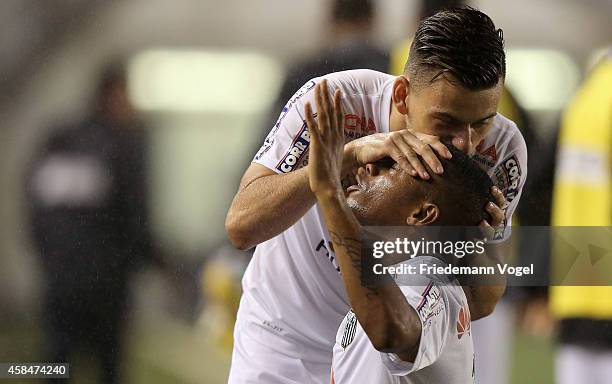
x=401, y=90
x=425, y=214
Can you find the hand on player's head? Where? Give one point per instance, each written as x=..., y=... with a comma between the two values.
x=463, y=192
x=386, y=194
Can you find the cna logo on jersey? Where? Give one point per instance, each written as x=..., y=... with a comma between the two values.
x=356, y=127
x=297, y=150
x=508, y=177
x=464, y=322
x=271, y=136
x=431, y=304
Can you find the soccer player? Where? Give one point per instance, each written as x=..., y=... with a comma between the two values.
x=293, y=299
x=407, y=328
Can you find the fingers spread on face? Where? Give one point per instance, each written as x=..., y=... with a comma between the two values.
x=403, y=161
x=426, y=152
x=403, y=154
x=441, y=149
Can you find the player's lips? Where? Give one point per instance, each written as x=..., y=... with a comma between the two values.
x=353, y=188
x=359, y=186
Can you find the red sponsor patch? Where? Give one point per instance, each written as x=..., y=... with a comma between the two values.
x=490, y=152
x=361, y=124
x=464, y=323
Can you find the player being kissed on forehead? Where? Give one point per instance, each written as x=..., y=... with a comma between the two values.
x=389, y=331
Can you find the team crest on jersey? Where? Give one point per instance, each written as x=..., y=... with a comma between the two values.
x=464, y=322
x=508, y=177
x=297, y=151
x=350, y=328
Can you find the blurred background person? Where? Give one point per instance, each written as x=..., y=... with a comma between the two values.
x=583, y=197
x=350, y=44
x=89, y=225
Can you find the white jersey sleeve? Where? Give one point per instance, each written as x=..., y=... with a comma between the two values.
x=365, y=98
x=286, y=146
x=445, y=353
x=510, y=175
x=432, y=307
x=503, y=155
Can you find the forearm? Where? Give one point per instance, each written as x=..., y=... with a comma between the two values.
x=390, y=322
x=266, y=206
x=482, y=298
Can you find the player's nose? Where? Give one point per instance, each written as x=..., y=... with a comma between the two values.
x=463, y=141
x=372, y=169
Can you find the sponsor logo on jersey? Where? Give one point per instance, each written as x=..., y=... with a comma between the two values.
x=513, y=169
x=265, y=147
x=431, y=304
x=297, y=150
x=350, y=327
x=486, y=156
x=356, y=127
x=271, y=136
x=361, y=124
x=490, y=152
x=508, y=177
x=328, y=254
x=273, y=327
x=464, y=321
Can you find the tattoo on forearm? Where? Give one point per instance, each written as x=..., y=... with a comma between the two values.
x=353, y=250
x=352, y=246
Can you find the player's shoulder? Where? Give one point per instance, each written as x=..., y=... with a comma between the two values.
x=359, y=81
x=507, y=135
x=503, y=141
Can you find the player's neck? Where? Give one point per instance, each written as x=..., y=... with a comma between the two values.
x=397, y=121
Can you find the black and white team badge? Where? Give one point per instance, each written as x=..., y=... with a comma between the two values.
x=349, y=329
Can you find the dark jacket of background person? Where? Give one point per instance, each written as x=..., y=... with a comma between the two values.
x=88, y=211
x=350, y=48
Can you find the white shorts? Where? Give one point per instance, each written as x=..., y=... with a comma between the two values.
x=254, y=362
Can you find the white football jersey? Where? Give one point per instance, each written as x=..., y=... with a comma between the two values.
x=294, y=298
x=446, y=349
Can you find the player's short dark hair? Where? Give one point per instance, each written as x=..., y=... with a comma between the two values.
x=352, y=10
x=464, y=189
x=461, y=41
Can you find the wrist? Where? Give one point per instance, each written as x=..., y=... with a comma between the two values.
x=330, y=193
